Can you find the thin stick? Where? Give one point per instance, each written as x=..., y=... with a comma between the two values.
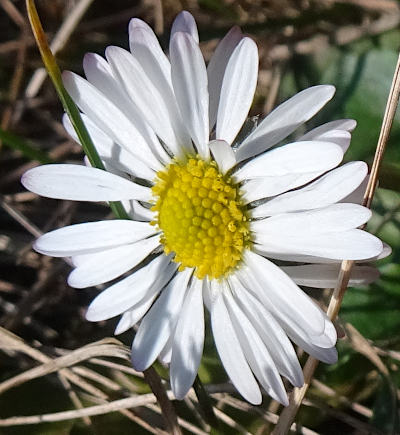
x=289, y=413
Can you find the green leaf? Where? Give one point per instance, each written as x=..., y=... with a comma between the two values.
x=362, y=73
x=386, y=408
x=29, y=150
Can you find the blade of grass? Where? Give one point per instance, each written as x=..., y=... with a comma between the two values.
x=69, y=106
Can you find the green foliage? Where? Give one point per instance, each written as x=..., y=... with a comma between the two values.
x=386, y=408
x=28, y=150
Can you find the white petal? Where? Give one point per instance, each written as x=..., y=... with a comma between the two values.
x=207, y=294
x=326, y=275
x=287, y=315
x=99, y=74
x=184, y=22
x=346, y=245
x=339, y=137
x=130, y=291
x=146, y=95
x=223, y=155
x=91, y=237
x=284, y=294
x=264, y=187
x=328, y=338
x=138, y=212
x=159, y=322
x=109, y=118
x=326, y=355
x=285, y=119
x=188, y=341
x=357, y=196
x=299, y=258
x=106, y=265
x=334, y=131
x=134, y=315
x=166, y=352
x=80, y=183
x=189, y=79
x=159, y=74
x=238, y=87
x=124, y=323
x=216, y=68
x=256, y=352
x=387, y=250
x=333, y=218
x=271, y=333
x=339, y=124
x=140, y=33
x=229, y=348
x=330, y=188
x=115, y=158
x=293, y=158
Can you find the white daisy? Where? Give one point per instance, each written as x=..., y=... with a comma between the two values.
x=209, y=217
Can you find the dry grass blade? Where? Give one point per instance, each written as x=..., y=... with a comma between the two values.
x=19, y=217
x=182, y=422
x=102, y=348
x=116, y=366
x=92, y=375
x=329, y=392
x=11, y=342
x=363, y=346
x=76, y=401
x=66, y=378
x=358, y=425
x=230, y=422
x=267, y=416
x=129, y=414
x=117, y=405
x=289, y=413
x=13, y=12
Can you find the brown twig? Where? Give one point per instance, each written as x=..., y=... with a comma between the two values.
x=289, y=413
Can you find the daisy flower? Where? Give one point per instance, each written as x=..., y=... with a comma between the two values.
x=235, y=225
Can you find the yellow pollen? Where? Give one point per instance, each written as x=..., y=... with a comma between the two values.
x=202, y=218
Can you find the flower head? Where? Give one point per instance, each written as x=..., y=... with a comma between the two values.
x=211, y=218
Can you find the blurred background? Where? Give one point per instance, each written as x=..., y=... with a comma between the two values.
x=352, y=44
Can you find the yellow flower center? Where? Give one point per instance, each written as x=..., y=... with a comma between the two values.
x=201, y=216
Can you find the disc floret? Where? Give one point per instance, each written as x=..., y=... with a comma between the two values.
x=201, y=216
